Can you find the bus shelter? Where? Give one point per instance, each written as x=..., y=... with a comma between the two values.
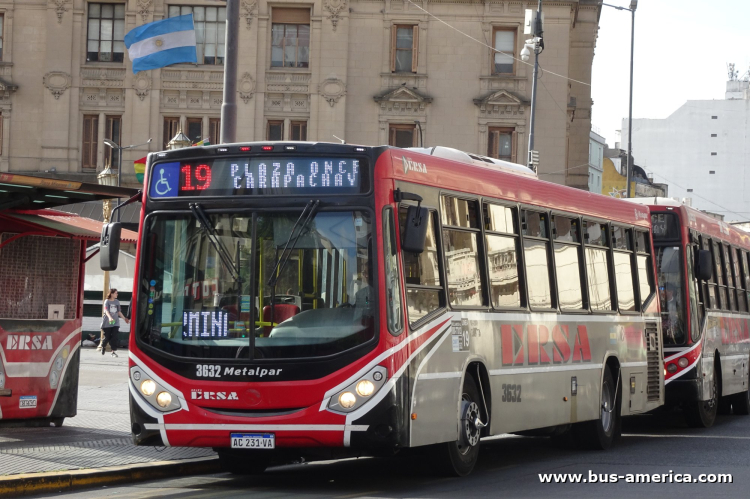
x=42, y=257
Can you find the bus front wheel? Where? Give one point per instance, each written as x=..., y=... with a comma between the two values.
x=599, y=434
x=459, y=458
x=702, y=413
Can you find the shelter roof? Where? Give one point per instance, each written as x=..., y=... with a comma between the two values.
x=57, y=223
x=28, y=192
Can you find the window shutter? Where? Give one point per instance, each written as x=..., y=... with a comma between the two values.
x=414, y=48
x=393, y=48
x=513, y=146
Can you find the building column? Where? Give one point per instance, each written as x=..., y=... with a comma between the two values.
x=204, y=127
x=4, y=163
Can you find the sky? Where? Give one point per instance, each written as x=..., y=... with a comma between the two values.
x=682, y=48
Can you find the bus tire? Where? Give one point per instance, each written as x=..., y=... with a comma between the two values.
x=600, y=433
x=237, y=464
x=741, y=402
x=459, y=458
x=702, y=413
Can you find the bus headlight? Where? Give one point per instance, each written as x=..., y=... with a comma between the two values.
x=672, y=368
x=351, y=397
x=683, y=362
x=365, y=388
x=148, y=387
x=164, y=399
x=347, y=400
x=153, y=391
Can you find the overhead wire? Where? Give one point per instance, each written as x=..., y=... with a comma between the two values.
x=512, y=56
x=490, y=46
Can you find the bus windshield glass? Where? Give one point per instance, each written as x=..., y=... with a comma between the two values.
x=208, y=292
x=669, y=270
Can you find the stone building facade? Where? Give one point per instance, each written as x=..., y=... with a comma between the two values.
x=366, y=71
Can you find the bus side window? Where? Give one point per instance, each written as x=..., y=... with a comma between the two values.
x=644, y=264
x=719, y=276
x=536, y=258
x=746, y=276
x=739, y=282
x=710, y=285
x=424, y=289
x=394, y=311
x=726, y=250
x=597, y=264
x=567, y=235
x=623, y=260
x=502, y=242
x=461, y=234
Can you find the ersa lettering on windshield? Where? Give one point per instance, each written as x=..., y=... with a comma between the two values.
x=256, y=176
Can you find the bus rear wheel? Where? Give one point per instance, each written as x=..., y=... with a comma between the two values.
x=237, y=463
x=600, y=433
x=459, y=458
x=702, y=413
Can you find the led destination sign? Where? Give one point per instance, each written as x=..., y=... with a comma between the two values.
x=257, y=176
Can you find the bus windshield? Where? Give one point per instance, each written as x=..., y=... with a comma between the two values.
x=669, y=272
x=208, y=291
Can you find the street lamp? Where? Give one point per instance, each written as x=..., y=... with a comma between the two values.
x=179, y=141
x=535, y=44
x=113, y=145
x=629, y=173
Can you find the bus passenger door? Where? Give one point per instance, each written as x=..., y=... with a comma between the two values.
x=695, y=295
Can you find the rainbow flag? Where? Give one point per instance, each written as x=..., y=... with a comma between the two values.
x=140, y=169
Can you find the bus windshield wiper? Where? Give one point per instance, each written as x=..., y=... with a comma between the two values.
x=210, y=231
x=309, y=209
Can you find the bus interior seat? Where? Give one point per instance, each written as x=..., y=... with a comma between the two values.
x=282, y=312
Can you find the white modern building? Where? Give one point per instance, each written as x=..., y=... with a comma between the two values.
x=597, y=145
x=702, y=151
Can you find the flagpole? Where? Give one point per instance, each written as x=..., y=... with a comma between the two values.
x=229, y=104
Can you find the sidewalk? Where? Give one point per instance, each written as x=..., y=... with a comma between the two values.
x=99, y=436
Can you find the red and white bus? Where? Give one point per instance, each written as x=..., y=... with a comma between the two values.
x=318, y=300
x=704, y=284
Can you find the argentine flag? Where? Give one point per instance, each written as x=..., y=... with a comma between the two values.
x=162, y=43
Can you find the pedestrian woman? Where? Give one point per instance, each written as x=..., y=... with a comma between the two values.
x=111, y=321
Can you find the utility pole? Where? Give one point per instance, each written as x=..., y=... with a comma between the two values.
x=633, y=5
x=538, y=45
x=229, y=103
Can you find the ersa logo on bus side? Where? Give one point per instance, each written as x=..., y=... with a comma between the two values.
x=413, y=165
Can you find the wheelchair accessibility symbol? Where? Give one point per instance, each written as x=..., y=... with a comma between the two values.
x=162, y=186
x=164, y=180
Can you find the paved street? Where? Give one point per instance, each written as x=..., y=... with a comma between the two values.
x=508, y=467
x=98, y=436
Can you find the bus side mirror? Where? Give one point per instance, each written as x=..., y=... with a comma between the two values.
x=415, y=232
x=109, y=246
x=703, y=265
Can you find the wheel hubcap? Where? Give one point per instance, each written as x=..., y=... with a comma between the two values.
x=607, y=407
x=471, y=432
x=711, y=403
